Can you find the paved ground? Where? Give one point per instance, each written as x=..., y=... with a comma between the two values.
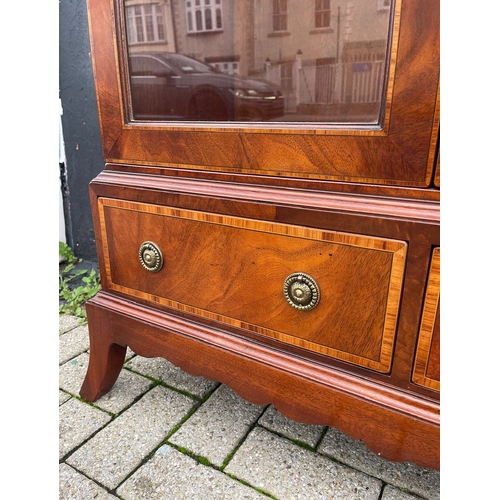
x=163, y=434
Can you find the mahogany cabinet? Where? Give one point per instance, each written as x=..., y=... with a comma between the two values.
x=268, y=214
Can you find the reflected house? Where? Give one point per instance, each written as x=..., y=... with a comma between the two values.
x=149, y=26
x=328, y=58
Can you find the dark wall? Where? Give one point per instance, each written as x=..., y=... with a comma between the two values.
x=83, y=150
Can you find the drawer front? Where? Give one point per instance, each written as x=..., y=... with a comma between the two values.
x=427, y=359
x=232, y=270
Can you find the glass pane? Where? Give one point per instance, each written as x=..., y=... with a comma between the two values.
x=254, y=60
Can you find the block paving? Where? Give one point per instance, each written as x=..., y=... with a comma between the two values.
x=161, y=433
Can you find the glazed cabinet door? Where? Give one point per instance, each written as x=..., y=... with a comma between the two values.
x=273, y=91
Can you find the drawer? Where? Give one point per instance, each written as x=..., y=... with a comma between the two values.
x=327, y=292
x=426, y=369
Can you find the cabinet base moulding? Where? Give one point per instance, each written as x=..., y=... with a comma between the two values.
x=393, y=424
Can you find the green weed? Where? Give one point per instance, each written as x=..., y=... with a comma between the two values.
x=75, y=286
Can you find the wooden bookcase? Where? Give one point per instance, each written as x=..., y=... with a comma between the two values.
x=294, y=259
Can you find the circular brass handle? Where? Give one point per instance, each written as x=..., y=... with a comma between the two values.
x=150, y=257
x=301, y=291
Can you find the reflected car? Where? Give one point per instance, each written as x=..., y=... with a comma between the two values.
x=172, y=86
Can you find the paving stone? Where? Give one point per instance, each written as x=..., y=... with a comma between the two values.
x=218, y=425
x=275, y=421
x=121, y=446
x=129, y=354
x=391, y=493
x=77, y=422
x=128, y=387
x=72, y=373
x=163, y=370
x=73, y=343
x=70, y=346
x=291, y=472
x=63, y=397
x=75, y=486
x=418, y=480
x=171, y=475
x=67, y=322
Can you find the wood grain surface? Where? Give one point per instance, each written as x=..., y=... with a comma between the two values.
x=426, y=371
x=232, y=270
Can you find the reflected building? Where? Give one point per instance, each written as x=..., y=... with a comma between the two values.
x=329, y=58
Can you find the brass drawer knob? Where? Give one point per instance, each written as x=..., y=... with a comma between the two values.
x=150, y=257
x=301, y=291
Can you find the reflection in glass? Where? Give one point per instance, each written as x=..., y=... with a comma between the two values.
x=258, y=60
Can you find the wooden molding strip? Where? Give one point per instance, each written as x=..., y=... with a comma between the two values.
x=410, y=209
